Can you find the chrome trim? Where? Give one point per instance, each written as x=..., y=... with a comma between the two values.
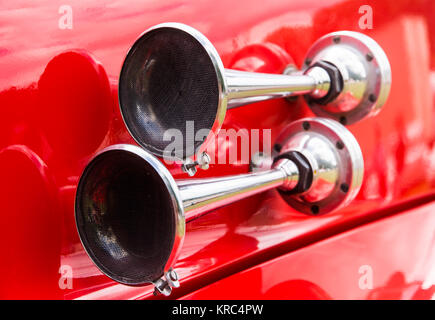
x=364, y=68
x=202, y=195
x=174, y=193
x=334, y=159
x=362, y=64
x=249, y=87
x=192, y=198
x=323, y=82
x=238, y=88
x=218, y=66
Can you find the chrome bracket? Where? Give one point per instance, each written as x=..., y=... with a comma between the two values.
x=190, y=167
x=334, y=159
x=364, y=72
x=165, y=284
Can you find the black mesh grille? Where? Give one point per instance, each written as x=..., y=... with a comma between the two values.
x=125, y=218
x=168, y=79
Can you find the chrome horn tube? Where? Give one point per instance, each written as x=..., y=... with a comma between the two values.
x=131, y=214
x=202, y=195
x=249, y=87
x=173, y=76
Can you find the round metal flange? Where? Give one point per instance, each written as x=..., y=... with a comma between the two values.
x=365, y=74
x=336, y=162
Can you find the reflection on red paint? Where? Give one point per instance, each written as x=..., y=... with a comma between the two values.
x=58, y=104
x=30, y=226
x=399, y=251
x=75, y=104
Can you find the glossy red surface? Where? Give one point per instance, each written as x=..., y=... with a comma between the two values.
x=390, y=259
x=58, y=98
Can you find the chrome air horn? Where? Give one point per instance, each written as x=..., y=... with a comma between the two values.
x=131, y=213
x=173, y=76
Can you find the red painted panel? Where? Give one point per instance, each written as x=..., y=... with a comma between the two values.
x=58, y=105
x=393, y=258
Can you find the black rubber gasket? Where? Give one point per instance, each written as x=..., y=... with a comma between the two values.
x=305, y=171
x=335, y=87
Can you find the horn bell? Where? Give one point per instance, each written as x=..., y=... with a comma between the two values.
x=129, y=215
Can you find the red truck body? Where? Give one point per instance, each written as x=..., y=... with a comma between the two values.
x=59, y=107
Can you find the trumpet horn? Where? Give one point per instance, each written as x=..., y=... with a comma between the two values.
x=173, y=74
x=131, y=214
